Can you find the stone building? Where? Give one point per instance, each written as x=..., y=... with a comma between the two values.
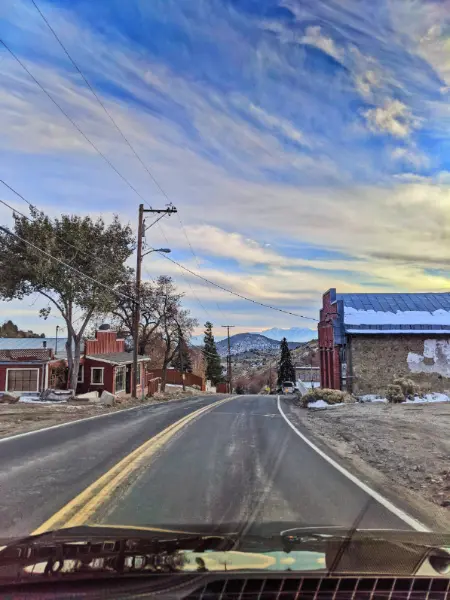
x=367, y=340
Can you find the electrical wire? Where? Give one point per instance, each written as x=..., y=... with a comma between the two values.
x=236, y=293
x=124, y=137
x=15, y=210
x=69, y=118
x=99, y=101
x=110, y=289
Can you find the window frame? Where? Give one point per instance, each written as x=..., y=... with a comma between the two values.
x=21, y=369
x=82, y=374
x=122, y=368
x=102, y=382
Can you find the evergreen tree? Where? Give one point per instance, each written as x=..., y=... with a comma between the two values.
x=212, y=358
x=186, y=355
x=286, y=370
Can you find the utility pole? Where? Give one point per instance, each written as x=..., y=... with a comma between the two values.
x=137, y=292
x=180, y=354
x=229, y=374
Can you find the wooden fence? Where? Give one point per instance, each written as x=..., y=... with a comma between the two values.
x=174, y=377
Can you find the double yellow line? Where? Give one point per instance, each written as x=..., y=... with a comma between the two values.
x=79, y=510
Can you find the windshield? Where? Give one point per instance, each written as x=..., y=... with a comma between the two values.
x=224, y=281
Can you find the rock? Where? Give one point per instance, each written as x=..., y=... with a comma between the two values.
x=7, y=399
x=107, y=399
x=445, y=503
x=87, y=396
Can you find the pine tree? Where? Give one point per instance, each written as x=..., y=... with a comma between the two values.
x=212, y=358
x=286, y=370
x=186, y=355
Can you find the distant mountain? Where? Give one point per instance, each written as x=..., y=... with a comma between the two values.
x=244, y=342
x=294, y=334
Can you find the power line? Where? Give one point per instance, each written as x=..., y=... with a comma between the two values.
x=127, y=141
x=99, y=101
x=69, y=118
x=15, y=210
x=184, y=278
x=236, y=293
x=109, y=288
x=195, y=256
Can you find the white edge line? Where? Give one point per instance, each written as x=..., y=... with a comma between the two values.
x=25, y=433
x=417, y=525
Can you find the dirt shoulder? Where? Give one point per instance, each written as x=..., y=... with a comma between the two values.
x=405, y=448
x=22, y=417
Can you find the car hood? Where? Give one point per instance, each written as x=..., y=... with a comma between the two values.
x=123, y=550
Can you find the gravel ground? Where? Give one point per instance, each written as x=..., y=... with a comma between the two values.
x=410, y=444
x=21, y=417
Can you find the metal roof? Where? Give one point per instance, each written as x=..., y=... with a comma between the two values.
x=397, y=302
x=117, y=358
x=34, y=343
x=392, y=313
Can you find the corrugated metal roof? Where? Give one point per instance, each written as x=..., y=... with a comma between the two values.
x=395, y=313
x=19, y=343
x=397, y=302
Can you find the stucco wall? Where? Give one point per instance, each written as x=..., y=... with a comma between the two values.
x=377, y=360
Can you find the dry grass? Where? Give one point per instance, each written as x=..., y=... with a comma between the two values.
x=327, y=395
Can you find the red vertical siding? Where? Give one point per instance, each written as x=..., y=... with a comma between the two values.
x=104, y=342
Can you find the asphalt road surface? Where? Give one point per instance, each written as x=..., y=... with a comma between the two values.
x=238, y=462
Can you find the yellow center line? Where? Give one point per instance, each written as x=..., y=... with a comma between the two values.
x=79, y=510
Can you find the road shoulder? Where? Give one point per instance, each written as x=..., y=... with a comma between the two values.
x=21, y=418
x=345, y=455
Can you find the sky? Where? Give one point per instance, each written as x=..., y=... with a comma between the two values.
x=305, y=143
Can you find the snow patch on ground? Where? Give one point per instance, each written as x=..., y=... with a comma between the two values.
x=434, y=397
x=323, y=404
x=36, y=400
x=371, y=398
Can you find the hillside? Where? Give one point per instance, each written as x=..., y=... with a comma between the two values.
x=294, y=334
x=246, y=342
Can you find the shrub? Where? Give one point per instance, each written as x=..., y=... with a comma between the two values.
x=394, y=394
x=408, y=386
x=327, y=395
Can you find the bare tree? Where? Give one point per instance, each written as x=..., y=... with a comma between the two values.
x=175, y=322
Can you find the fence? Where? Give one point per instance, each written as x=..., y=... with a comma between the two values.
x=152, y=385
x=175, y=378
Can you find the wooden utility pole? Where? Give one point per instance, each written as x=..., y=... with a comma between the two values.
x=137, y=292
x=229, y=373
x=180, y=354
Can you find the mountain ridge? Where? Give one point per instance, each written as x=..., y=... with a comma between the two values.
x=244, y=342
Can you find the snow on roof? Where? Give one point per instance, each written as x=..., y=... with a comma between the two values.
x=396, y=313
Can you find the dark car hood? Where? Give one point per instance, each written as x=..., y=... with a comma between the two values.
x=95, y=551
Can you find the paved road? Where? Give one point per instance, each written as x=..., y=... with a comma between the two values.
x=41, y=472
x=239, y=462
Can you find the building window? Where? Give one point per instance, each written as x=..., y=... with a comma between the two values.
x=97, y=375
x=81, y=374
x=120, y=379
x=22, y=380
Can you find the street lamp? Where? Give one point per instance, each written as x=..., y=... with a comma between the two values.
x=164, y=250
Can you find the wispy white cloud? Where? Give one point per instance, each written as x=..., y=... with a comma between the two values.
x=393, y=118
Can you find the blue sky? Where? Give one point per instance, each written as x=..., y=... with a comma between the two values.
x=304, y=142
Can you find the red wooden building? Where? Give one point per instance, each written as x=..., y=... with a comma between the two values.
x=104, y=365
